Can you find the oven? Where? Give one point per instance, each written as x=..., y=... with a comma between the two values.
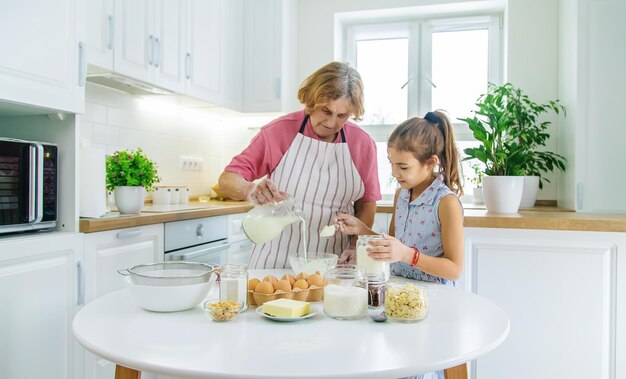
x=203, y=240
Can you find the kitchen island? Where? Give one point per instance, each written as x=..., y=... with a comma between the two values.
x=460, y=327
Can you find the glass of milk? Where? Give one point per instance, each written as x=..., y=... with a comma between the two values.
x=371, y=266
x=345, y=293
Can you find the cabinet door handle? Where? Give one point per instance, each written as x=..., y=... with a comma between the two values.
x=110, y=22
x=157, y=52
x=188, y=66
x=128, y=234
x=82, y=64
x=80, y=276
x=150, y=50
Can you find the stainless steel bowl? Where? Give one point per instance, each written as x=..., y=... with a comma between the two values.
x=166, y=274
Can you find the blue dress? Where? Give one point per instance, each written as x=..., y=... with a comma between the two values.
x=417, y=224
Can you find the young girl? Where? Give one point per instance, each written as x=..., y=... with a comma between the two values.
x=426, y=232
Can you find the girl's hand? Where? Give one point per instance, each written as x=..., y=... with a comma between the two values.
x=391, y=249
x=349, y=225
x=348, y=256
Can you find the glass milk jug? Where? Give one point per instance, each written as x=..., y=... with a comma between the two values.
x=345, y=293
x=371, y=266
x=265, y=222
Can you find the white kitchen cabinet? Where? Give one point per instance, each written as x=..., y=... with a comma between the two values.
x=99, y=33
x=40, y=291
x=564, y=294
x=240, y=246
x=105, y=253
x=149, y=37
x=213, y=55
x=41, y=62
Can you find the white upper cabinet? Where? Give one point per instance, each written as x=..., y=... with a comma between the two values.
x=149, y=38
x=262, y=47
x=99, y=33
x=213, y=58
x=41, y=63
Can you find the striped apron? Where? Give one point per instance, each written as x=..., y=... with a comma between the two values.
x=323, y=181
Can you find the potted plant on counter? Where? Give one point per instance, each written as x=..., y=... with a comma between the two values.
x=477, y=180
x=506, y=125
x=130, y=174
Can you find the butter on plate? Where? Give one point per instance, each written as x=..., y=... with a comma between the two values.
x=286, y=308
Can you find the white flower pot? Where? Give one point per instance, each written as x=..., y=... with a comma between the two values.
x=502, y=194
x=529, y=194
x=477, y=193
x=129, y=199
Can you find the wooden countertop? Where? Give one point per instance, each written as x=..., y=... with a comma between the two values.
x=540, y=217
x=116, y=221
x=548, y=218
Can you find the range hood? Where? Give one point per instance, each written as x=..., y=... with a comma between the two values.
x=126, y=84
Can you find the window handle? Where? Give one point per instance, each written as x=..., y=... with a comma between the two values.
x=430, y=80
x=407, y=82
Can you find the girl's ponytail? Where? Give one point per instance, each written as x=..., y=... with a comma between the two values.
x=450, y=155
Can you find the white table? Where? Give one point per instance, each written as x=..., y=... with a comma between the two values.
x=460, y=327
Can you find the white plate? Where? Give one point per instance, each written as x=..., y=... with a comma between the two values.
x=311, y=313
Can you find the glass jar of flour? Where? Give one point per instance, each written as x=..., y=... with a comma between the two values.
x=345, y=293
x=234, y=284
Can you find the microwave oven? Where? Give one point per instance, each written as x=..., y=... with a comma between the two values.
x=28, y=185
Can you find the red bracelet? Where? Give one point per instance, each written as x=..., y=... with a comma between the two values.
x=416, y=257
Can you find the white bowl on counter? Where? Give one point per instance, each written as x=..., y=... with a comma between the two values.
x=168, y=298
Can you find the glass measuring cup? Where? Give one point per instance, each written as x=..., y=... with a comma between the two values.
x=265, y=222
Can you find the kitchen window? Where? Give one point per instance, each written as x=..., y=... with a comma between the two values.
x=412, y=66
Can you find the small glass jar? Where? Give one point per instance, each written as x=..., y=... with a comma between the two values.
x=406, y=302
x=345, y=293
x=234, y=284
x=364, y=261
x=376, y=285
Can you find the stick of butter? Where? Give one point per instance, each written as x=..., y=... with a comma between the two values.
x=286, y=308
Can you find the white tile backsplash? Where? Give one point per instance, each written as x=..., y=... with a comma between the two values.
x=115, y=120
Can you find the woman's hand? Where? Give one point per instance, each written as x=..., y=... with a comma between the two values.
x=349, y=225
x=265, y=192
x=390, y=249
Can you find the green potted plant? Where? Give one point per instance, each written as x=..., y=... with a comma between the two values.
x=506, y=124
x=130, y=173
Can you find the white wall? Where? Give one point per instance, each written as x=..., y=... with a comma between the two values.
x=531, y=49
x=114, y=120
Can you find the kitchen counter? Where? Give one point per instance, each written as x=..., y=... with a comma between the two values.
x=114, y=220
x=541, y=217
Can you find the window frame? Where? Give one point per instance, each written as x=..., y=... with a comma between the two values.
x=419, y=32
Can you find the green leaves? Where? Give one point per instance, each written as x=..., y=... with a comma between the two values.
x=130, y=168
x=506, y=124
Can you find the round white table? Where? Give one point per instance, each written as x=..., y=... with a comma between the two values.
x=460, y=327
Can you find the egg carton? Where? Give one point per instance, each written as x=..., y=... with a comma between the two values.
x=312, y=293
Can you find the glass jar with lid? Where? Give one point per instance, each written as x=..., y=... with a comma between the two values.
x=345, y=293
x=371, y=266
x=234, y=284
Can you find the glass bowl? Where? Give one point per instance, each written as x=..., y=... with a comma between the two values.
x=315, y=261
x=222, y=310
x=406, y=302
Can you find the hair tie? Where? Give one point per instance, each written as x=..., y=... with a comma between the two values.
x=433, y=118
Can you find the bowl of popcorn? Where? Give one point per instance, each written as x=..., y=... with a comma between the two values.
x=222, y=310
x=406, y=302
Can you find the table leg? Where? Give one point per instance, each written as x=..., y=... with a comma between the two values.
x=122, y=372
x=456, y=372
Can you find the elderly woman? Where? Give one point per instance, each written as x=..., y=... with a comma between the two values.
x=325, y=162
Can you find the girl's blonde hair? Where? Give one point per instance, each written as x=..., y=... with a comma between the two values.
x=428, y=136
x=331, y=82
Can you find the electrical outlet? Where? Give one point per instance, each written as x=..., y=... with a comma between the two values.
x=188, y=163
